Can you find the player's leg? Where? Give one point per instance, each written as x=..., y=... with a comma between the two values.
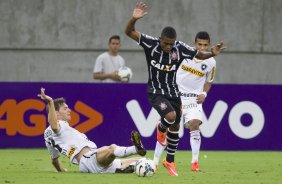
x=173, y=138
x=105, y=155
x=195, y=142
x=158, y=153
x=167, y=113
x=194, y=118
x=127, y=165
x=172, y=134
x=159, y=148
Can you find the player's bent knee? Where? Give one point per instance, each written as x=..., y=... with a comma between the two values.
x=171, y=116
x=194, y=125
x=112, y=148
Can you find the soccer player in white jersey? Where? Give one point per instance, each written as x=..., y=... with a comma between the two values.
x=194, y=80
x=60, y=138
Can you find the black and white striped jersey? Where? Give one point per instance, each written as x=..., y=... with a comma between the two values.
x=162, y=66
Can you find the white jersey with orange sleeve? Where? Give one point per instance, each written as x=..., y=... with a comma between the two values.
x=68, y=141
x=192, y=74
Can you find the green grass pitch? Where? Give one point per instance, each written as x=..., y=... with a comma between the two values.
x=33, y=166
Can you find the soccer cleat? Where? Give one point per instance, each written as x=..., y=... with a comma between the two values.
x=161, y=136
x=170, y=167
x=135, y=138
x=195, y=167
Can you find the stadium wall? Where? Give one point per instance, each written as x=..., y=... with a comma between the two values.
x=58, y=40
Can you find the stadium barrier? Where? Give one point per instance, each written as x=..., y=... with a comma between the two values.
x=237, y=117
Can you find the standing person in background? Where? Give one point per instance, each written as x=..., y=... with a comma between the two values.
x=164, y=55
x=107, y=64
x=194, y=79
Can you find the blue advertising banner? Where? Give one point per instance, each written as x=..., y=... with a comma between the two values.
x=237, y=117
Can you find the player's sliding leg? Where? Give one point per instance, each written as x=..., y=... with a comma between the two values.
x=127, y=165
x=105, y=155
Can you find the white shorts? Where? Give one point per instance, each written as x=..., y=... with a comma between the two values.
x=191, y=110
x=88, y=164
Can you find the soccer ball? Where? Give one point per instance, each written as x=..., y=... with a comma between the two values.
x=145, y=167
x=125, y=74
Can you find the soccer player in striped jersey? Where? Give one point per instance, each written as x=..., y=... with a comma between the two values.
x=164, y=56
x=61, y=138
x=194, y=79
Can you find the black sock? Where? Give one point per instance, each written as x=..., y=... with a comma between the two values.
x=172, y=140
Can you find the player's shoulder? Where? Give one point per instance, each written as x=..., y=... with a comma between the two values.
x=103, y=55
x=211, y=61
x=184, y=45
x=63, y=123
x=148, y=37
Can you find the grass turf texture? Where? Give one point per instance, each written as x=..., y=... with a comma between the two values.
x=33, y=166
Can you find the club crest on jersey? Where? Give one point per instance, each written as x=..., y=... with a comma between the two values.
x=173, y=55
x=203, y=66
x=159, y=66
x=163, y=106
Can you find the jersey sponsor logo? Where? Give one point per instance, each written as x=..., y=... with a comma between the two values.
x=71, y=152
x=192, y=70
x=166, y=68
x=192, y=105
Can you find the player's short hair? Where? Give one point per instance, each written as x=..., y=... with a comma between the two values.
x=169, y=32
x=116, y=37
x=58, y=102
x=203, y=35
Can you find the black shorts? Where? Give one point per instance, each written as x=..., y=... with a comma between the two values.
x=164, y=104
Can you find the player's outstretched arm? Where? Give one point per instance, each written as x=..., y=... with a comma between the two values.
x=215, y=50
x=139, y=12
x=52, y=117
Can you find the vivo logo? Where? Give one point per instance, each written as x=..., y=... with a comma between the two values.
x=146, y=125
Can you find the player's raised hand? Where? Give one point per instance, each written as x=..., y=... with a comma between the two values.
x=43, y=96
x=140, y=10
x=217, y=48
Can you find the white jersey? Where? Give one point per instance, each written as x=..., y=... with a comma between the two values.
x=106, y=63
x=68, y=141
x=192, y=74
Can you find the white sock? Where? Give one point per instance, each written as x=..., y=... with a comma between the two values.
x=158, y=152
x=195, y=142
x=122, y=151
